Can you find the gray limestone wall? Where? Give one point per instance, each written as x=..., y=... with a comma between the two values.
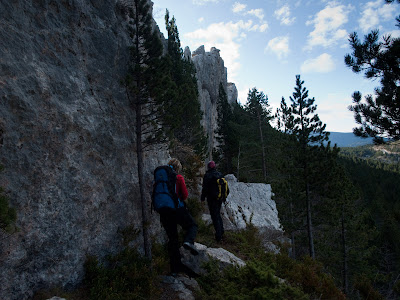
x=67, y=140
x=211, y=71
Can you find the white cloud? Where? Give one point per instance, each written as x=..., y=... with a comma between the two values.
x=238, y=7
x=283, y=15
x=242, y=94
x=279, y=46
x=225, y=37
x=373, y=12
x=322, y=64
x=202, y=2
x=259, y=13
x=393, y=33
x=328, y=25
x=263, y=27
x=332, y=110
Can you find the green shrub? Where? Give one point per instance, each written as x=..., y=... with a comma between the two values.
x=299, y=279
x=256, y=280
x=364, y=286
x=309, y=276
x=124, y=276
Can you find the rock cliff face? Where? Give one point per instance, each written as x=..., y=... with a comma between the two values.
x=67, y=140
x=210, y=73
x=67, y=137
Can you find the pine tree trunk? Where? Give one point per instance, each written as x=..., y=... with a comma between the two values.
x=345, y=267
x=139, y=147
x=238, y=163
x=264, y=168
x=292, y=237
x=145, y=208
x=309, y=223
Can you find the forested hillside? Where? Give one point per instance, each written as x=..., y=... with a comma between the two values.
x=340, y=206
x=385, y=156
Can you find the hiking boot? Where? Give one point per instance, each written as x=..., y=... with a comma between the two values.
x=191, y=247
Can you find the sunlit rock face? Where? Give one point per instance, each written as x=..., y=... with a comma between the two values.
x=210, y=73
x=67, y=140
x=250, y=203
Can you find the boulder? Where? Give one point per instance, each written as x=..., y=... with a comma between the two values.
x=195, y=262
x=179, y=287
x=250, y=203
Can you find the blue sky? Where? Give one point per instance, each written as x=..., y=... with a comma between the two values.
x=266, y=43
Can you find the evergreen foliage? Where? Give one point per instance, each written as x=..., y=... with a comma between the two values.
x=148, y=90
x=310, y=133
x=379, y=115
x=265, y=276
x=226, y=134
x=284, y=117
x=258, y=108
x=186, y=112
x=379, y=190
x=306, y=125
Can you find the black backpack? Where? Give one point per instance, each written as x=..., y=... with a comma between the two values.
x=219, y=188
x=164, y=194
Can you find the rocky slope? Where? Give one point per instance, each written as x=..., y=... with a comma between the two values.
x=66, y=137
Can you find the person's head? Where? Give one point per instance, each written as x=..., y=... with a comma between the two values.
x=175, y=163
x=211, y=165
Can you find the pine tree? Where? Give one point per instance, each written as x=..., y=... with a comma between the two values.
x=379, y=115
x=187, y=113
x=225, y=132
x=148, y=90
x=284, y=117
x=258, y=107
x=310, y=133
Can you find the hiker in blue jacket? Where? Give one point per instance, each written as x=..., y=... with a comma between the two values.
x=171, y=217
x=209, y=191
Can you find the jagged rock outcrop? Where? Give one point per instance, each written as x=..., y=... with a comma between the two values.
x=211, y=72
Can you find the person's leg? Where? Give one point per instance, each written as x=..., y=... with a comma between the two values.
x=188, y=224
x=169, y=222
x=190, y=229
x=215, y=211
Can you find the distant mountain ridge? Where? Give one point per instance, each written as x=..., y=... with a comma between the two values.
x=348, y=139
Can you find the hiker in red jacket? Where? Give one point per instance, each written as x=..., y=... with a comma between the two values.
x=170, y=218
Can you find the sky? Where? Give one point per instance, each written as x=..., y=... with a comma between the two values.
x=266, y=43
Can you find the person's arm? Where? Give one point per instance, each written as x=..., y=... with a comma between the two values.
x=181, y=189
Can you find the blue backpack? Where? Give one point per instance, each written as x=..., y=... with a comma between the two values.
x=164, y=194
